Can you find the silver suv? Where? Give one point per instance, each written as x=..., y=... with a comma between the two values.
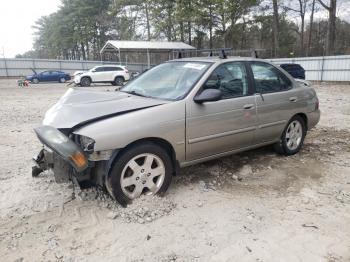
x=177, y=114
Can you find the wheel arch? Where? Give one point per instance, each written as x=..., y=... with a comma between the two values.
x=304, y=117
x=86, y=77
x=119, y=76
x=156, y=140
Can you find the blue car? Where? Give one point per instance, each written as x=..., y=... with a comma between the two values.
x=295, y=70
x=48, y=76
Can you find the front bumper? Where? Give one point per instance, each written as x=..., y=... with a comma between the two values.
x=77, y=79
x=49, y=160
x=60, y=146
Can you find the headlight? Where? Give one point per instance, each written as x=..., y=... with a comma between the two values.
x=63, y=146
x=87, y=143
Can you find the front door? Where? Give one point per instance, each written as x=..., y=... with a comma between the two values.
x=225, y=125
x=99, y=74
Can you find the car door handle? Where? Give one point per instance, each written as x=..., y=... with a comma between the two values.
x=248, y=106
x=293, y=99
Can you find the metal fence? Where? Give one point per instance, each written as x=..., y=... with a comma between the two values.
x=322, y=68
x=13, y=67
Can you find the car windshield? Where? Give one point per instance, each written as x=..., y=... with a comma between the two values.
x=170, y=81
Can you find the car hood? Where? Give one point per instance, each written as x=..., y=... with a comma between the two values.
x=81, y=106
x=76, y=73
x=30, y=76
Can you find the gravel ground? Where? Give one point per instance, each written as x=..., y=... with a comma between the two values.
x=254, y=206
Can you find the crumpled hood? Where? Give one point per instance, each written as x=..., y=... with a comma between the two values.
x=79, y=106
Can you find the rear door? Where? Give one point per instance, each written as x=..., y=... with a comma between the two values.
x=113, y=72
x=55, y=75
x=224, y=125
x=276, y=101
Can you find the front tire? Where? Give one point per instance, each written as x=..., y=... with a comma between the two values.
x=62, y=80
x=142, y=169
x=36, y=81
x=85, y=81
x=292, y=138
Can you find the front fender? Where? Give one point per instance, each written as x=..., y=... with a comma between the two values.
x=166, y=122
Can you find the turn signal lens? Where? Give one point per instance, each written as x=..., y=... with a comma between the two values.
x=79, y=160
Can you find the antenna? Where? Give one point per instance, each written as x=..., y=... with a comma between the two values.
x=223, y=54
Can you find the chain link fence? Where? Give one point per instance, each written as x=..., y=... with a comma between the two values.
x=323, y=68
x=17, y=67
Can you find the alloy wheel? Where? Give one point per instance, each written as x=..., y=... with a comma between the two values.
x=145, y=173
x=294, y=135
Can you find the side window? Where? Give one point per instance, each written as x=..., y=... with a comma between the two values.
x=110, y=68
x=230, y=78
x=100, y=69
x=268, y=79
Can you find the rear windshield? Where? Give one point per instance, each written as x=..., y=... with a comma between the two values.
x=292, y=66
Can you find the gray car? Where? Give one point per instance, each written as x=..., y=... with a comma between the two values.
x=177, y=114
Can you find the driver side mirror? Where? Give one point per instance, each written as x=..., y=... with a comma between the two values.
x=208, y=95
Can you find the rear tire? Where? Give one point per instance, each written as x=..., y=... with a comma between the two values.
x=118, y=81
x=292, y=138
x=62, y=80
x=85, y=81
x=144, y=168
x=36, y=81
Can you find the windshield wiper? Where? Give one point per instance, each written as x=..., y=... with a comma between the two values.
x=134, y=93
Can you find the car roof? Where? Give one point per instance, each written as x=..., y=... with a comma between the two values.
x=109, y=66
x=216, y=59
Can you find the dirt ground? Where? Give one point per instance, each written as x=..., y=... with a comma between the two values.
x=254, y=206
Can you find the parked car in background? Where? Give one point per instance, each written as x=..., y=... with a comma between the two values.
x=295, y=70
x=177, y=114
x=48, y=76
x=114, y=74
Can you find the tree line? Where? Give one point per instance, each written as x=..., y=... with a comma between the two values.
x=284, y=28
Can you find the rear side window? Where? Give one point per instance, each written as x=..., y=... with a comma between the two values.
x=113, y=69
x=230, y=78
x=268, y=79
x=291, y=67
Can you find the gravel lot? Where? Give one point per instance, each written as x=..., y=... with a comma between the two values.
x=254, y=206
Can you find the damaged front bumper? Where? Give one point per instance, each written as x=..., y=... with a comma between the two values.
x=59, y=153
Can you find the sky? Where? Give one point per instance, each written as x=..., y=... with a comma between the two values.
x=16, y=20
x=18, y=16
